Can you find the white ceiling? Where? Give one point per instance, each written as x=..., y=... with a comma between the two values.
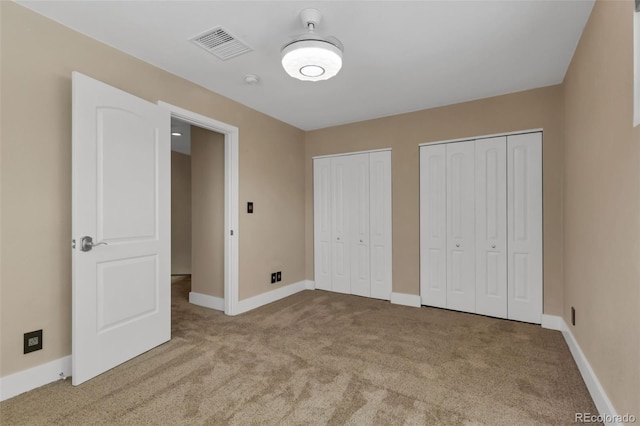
x=182, y=143
x=399, y=56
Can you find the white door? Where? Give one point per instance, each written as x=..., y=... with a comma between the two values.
x=524, y=213
x=380, y=224
x=120, y=190
x=360, y=271
x=433, y=226
x=491, y=227
x=340, y=244
x=322, y=222
x=461, y=246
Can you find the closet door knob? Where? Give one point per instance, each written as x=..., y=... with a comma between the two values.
x=338, y=238
x=493, y=246
x=457, y=245
x=360, y=240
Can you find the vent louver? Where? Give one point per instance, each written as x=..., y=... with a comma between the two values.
x=221, y=43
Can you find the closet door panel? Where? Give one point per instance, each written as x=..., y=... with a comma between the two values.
x=380, y=224
x=322, y=222
x=433, y=226
x=461, y=226
x=524, y=218
x=359, y=215
x=491, y=227
x=341, y=172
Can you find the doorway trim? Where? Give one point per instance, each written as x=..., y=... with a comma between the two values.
x=231, y=142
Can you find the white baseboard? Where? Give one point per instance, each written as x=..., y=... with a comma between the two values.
x=254, y=302
x=599, y=396
x=406, y=299
x=207, y=301
x=310, y=285
x=24, y=381
x=552, y=322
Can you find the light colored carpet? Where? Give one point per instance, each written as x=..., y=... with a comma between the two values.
x=326, y=358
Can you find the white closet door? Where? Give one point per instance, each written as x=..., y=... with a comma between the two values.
x=524, y=212
x=360, y=269
x=340, y=206
x=322, y=222
x=461, y=246
x=433, y=225
x=380, y=223
x=491, y=227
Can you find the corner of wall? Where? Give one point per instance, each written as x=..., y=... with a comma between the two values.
x=308, y=216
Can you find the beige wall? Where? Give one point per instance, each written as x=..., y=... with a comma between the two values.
x=540, y=108
x=207, y=178
x=180, y=213
x=38, y=56
x=602, y=203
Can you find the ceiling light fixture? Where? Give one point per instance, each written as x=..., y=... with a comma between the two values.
x=311, y=57
x=176, y=134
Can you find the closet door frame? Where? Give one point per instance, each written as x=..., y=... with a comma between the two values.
x=380, y=276
x=322, y=223
x=532, y=315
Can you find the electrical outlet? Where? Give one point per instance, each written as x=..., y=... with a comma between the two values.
x=573, y=316
x=250, y=207
x=32, y=341
x=274, y=278
x=279, y=276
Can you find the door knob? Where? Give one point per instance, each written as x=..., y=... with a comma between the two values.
x=493, y=246
x=338, y=238
x=360, y=240
x=457, y=245
x=86, y=244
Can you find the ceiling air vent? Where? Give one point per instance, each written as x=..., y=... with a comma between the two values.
x=221, y=43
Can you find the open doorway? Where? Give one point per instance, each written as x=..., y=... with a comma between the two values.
x=228, y=134
x=180, y=201
x=198, y=213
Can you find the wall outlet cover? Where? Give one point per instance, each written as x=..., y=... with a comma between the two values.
x=32, y=341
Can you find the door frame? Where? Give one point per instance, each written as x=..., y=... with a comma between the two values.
x=231, y=149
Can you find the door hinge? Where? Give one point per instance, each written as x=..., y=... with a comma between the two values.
x=232, y=232
x=73, y=243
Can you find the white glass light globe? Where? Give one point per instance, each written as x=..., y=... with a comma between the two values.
x=311, y=59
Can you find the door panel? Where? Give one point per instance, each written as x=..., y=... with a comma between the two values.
x=126, y=176
x=341, y=201
x=138, y=279
x=380, y=224
x=491, y=227
x=461, y=226
x=360, y=280
x=120, y=196
x=524, y=218
x=433, y=225
x=322, y=222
